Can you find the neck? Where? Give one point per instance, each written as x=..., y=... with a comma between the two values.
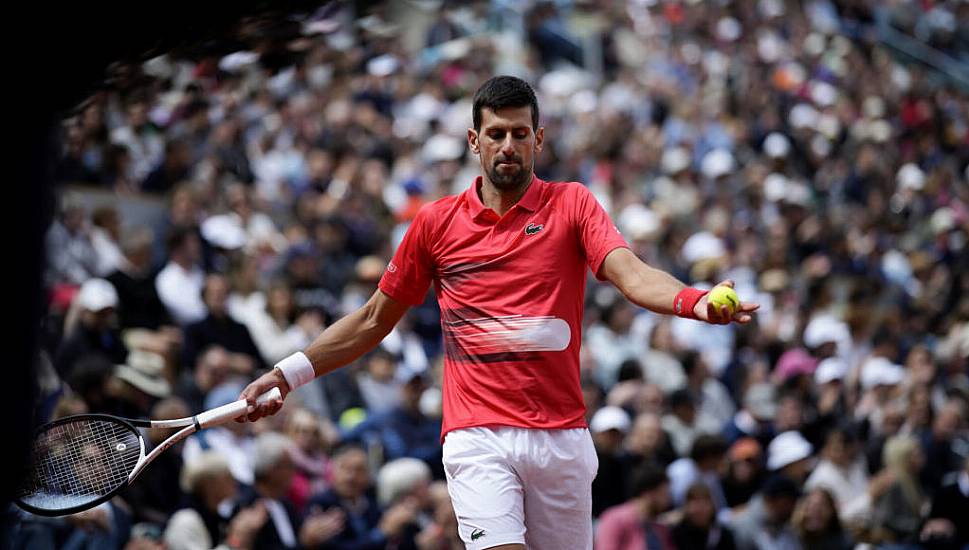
x=644, y=508
x=498, y=200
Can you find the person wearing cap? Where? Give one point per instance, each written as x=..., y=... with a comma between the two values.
x=508, y=258
x=94, y=329
x=790, y=455
x=609, y=427
x=139, y=383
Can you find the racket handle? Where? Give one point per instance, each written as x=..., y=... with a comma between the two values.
x=225, y=413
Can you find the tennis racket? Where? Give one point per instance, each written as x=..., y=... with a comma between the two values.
x=80, y=461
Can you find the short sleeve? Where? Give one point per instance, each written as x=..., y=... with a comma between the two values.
x=598, y=236
x=408, y=275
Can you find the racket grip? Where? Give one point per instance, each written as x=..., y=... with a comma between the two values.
x=225, y=413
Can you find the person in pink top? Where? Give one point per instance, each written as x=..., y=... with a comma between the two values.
x=633, y=526
x=508, y=260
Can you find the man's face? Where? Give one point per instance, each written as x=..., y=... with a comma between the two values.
x=351, y=474
x=506, y=145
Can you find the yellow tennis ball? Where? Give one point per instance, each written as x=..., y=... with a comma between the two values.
x=723, y=295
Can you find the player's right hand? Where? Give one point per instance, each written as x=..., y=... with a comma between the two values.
x=259, y=386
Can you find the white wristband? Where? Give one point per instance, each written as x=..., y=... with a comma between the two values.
x=297, y=370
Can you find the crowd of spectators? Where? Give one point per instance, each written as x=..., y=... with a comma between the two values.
x=775, y=143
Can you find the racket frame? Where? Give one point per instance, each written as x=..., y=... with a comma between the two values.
x=188, y=425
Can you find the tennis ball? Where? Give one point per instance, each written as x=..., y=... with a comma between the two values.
x=723, y=295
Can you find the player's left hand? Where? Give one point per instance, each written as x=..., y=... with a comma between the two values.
x=705, y=311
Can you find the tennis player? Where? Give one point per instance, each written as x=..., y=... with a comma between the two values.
x=508, y=259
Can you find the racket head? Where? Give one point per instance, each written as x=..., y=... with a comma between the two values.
x=78, y=462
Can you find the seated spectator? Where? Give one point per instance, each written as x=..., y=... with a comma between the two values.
x=273, y=471
x=207, y=483
x=648, y=442
x=765, y=522
x=365, y=527
x=706, y=464
x=179, y=283
x=680, y=422
x=212, y=369
x=134, y=281
x=660, y=364
x=755, y=419
x=633, y=525
x=405, y=431
x=405, y=483
x=946, y=526
x=138, y=384
x=154, y=498
x=816, y=522
x=714, y=405
x=218, y=328
x=790, y=455
x=278, y=328
x=233, y=440
x=312, y=436
x=91, y=328
x=745, y=472
x=71, y=258
x=842, y=472
x=699, y=527
x=609, y=427
x=897, y=513
x=173, y=168
x=939, y=443
x=379, y=387
x=442, y=532
x=105, y=235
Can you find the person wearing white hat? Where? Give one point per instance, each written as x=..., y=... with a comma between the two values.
x=789, y=454
x=509, y=257
x=143, y=382
x=91, y=328
x=609, y=426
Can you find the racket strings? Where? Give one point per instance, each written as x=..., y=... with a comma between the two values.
x=85, y=458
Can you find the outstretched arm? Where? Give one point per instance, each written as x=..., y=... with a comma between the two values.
x=341, y=343
x=656, y=290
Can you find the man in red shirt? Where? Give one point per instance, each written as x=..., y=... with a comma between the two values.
x=508, y=262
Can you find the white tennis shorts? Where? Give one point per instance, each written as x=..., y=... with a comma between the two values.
x=525, y=486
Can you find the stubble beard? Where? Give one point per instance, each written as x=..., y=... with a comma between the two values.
x=509, y=182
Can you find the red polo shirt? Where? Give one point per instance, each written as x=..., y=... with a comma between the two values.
x=511, y=294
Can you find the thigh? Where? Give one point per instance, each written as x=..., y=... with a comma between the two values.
x=558, y=490
x=486, y=491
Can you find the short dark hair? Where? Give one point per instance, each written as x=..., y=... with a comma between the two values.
x=504, y=91
x=647, y=477
x=708, y=446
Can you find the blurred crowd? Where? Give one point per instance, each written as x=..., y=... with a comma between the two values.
x=774, y=143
